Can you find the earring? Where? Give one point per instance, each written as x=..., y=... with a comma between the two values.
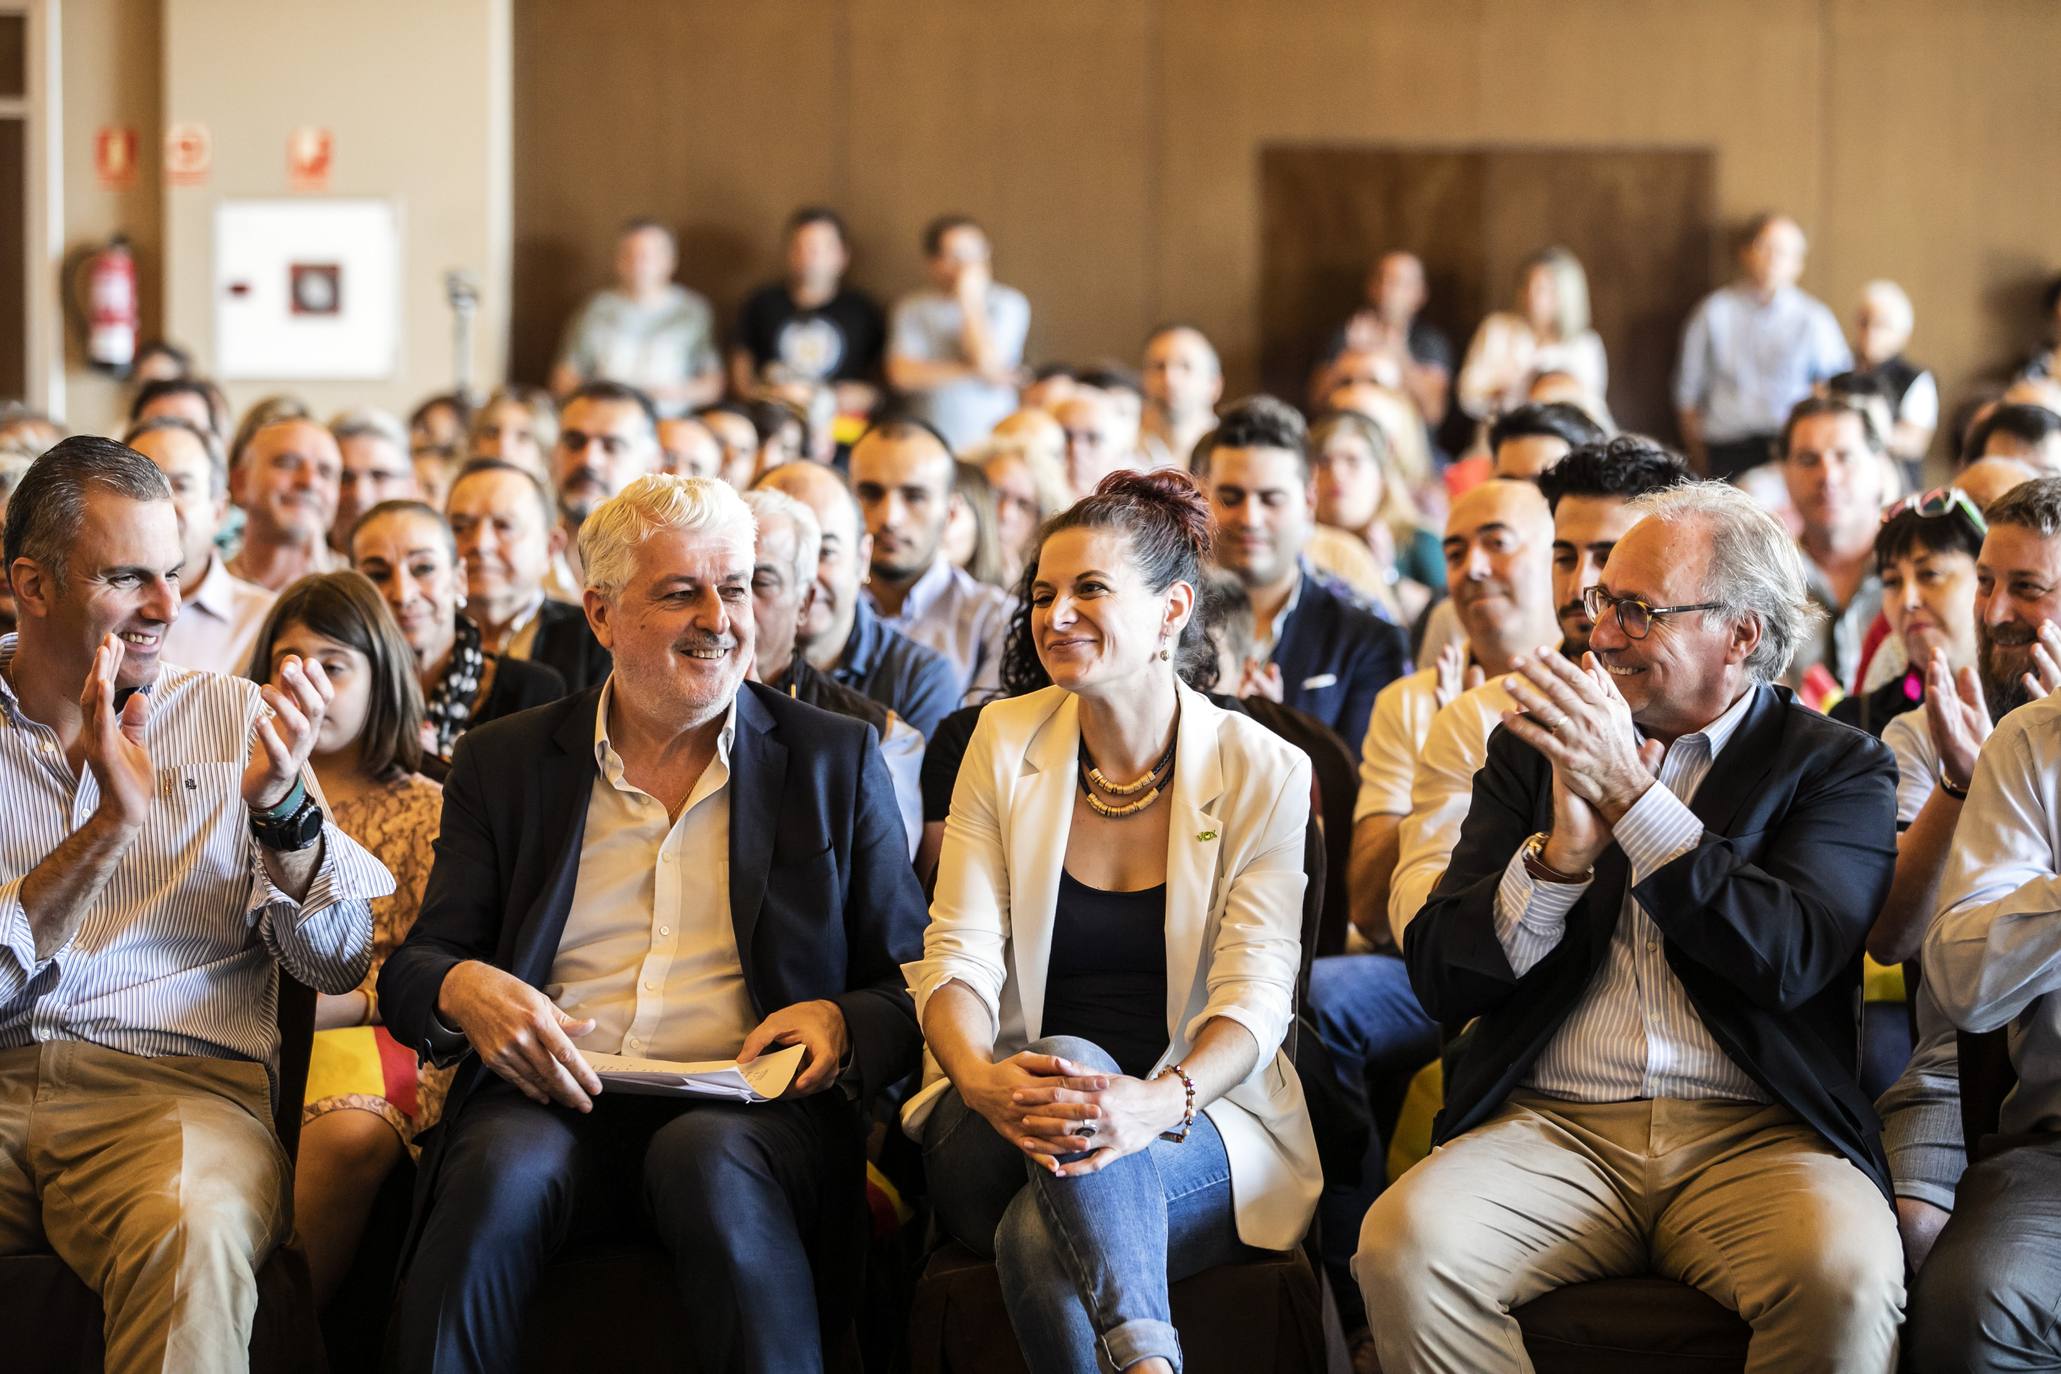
x=1164, y=652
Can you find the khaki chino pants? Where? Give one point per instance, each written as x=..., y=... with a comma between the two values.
x=1741, y=1201
x=160, y=1181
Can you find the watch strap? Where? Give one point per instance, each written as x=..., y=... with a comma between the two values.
x=1534, y=852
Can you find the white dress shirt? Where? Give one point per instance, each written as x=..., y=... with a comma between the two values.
x=180, y=953
x=1453, y=751
x=218, y=622
x=963, y=618
x=1634, y=1034
x=1395, y=733
x=648, y=949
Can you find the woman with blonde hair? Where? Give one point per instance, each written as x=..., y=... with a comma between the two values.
x=1548, y=332
x=1360, y=490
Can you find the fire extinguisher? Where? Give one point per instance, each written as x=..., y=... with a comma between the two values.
x=105, y=302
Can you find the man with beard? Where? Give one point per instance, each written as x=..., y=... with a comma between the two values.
x=607, y=439
x=1498, y=554
x=902, y=476
x=1985, y=1297
x=1590, y=493
x=1314, y=646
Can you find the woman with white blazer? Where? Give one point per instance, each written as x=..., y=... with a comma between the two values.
x=1110, y=966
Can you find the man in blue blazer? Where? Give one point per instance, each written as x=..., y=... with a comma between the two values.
x=1315, y=646
x=677, y=865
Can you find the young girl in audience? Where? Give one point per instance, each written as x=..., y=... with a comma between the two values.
x=405, y=549
x=1112, y=955
x=1360, y=491
x=366, y=1102
x=1548, y=332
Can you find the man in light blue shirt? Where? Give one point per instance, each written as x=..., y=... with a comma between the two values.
x=1752, y=350
x=955, y=347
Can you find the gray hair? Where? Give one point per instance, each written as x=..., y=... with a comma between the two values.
x=364, y=422
x=658, y=500
x=48, y=507
x=1755, y=568
x=767, y=504
x=218, y=464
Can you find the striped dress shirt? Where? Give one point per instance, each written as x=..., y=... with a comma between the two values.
x=179, y=954
x=1634, y=1034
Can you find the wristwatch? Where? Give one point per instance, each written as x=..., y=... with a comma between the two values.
x=1948, y=785
x=294, y=824
x=1534, y=852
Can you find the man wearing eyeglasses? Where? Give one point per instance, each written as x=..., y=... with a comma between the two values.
x=607, y=439
x=1654, y=919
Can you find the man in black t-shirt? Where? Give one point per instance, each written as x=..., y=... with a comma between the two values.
x=811, y=326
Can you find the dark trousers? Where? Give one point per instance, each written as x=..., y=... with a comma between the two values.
x=1728, y=460
x=742, y=1198
x=1989, y=1296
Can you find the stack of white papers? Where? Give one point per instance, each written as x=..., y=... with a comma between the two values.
x=761, y=1080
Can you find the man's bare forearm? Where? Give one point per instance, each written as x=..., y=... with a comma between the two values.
x=293, y=873
x=58, y=892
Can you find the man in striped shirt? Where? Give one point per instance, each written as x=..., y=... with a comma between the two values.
x=1654, y=919
x=159, y=859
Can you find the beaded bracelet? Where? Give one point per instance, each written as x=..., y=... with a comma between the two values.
x=1188, y=1111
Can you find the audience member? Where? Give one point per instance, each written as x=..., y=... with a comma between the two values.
x=1314, y=647
x=148, y=922
x=608, y=437
x=1392, y=329
x=781, y=941
x=219, y=613
x=159, y=360
x=1123, y=387
x=1925, y=553
x=372, y=452
x=1135, y=1140
x=973, y=541
x=902, y=476
x=519, y=425
x=501, y=523
x=1047, y=387
x=954, y=347
x=366, y=1101
x=1751, y=351
x=406, y=550
x=816, y=405
x=2031, y=434
x=1029, y=489
x=285, y=474
x=1882, y=326
x=1408, y=441
x=1499, y=576
x=738, y=437
x=1184, y=380
x=1832, y=464
x=783, y=434
x=440, y=423
x=1717, y=1140
x=1981, y=1300
x=194, y=399
x=1098, y=442
x=1548, y=332
x=810, y=325
x=646, y=332
x=1527, y=441
x=783, y=581
x=12, y=470
x=841, y=635
x=689, y=448
x=1986, y=479
x=1361, y=490
x=2045, y=361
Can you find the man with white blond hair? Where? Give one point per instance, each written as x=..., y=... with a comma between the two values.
x=783, y=583
x=1654, y=919
x=1882, y=327
x=678, y=865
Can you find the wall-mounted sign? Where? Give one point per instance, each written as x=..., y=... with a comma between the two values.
x=114, y=156
x=307, y=290
x=189, y=152
x=308, y=155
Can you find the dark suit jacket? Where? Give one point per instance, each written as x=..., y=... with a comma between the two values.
x=518, y=685
x=567, y=646
x=1763, y=921
x=1335, y=656
x=823, y=899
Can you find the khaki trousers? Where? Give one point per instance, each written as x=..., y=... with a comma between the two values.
x=159, y=1181
x=1743, y=1202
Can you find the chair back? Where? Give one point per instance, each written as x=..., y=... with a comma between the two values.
x=296, y=1042
x=1335, y=782
x=1986, y=1080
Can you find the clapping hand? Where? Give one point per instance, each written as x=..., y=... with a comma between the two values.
x=286, y=733
x=1454, y=674
x=1956, y=717
x=1260, y=680
x=1577, y=718
x=115, y=752
x=2045, y=677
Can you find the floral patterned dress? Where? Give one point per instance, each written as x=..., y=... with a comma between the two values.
x=397, y=823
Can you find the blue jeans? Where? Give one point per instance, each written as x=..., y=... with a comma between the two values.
x=1084, y=1261
x=1369, y=1019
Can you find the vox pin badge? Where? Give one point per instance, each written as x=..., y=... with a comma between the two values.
x=1205, y=834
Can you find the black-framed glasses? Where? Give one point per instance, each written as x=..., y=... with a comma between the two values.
x=1634, y=616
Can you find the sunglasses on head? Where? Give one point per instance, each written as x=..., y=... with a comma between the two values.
x=1937, y=504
